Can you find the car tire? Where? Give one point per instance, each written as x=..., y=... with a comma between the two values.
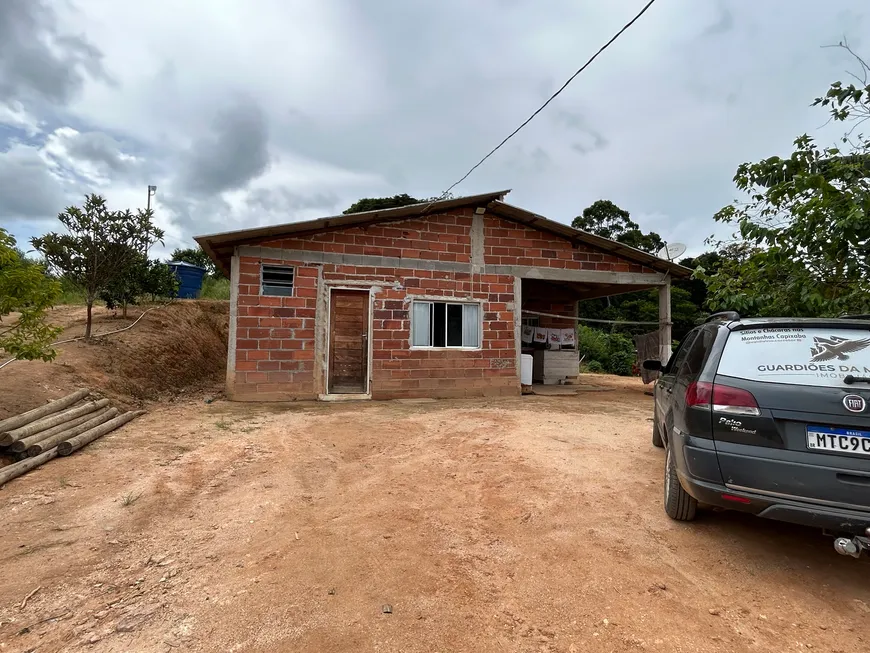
x=657, y=433
x=679, y=504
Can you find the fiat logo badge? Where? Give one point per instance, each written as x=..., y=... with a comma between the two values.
x=854, y=403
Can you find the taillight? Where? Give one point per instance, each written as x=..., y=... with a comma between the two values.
x=699, y=394
x=735, y=401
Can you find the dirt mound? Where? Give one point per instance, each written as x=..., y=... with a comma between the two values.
x=177, y=351
x=173, y=350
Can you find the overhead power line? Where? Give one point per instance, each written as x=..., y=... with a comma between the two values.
x=552, y=97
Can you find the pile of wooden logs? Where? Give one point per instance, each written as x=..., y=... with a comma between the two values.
x=58, y=428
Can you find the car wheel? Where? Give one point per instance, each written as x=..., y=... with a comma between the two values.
x=657, y=433
x=679, y=504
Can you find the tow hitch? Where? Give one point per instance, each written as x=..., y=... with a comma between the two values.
x=852, y=547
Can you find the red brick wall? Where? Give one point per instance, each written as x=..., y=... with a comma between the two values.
x=555, y=308
x=274, y=336
x=275, y=345
x=276, y=357
x=442, y=237
x=510, y=243
x=401, y=371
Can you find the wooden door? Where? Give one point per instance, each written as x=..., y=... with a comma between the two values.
x=348, y=341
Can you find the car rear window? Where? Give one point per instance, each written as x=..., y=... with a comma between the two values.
x=797, y=355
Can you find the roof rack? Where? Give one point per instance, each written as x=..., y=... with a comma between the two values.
x=855, y=316
x=724, y=316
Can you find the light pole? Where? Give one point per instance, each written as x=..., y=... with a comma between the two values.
x=152, y=191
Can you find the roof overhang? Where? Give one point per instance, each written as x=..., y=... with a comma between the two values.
x=578, y=237
x=220, y=246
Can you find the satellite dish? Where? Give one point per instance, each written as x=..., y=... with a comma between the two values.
x=672, y=251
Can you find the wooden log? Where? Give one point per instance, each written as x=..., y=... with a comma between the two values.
x=73, y=444
x=10, y=437
x=23, y=443
x=101, y=417
x=17, y=469
x=51, y=407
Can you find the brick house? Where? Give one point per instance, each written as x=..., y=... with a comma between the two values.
x=427, y=300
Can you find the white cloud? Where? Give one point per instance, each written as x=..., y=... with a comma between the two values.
x=280, y=111
x=13, y=114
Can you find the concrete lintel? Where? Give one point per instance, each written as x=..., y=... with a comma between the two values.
x=321, y=328
x=578, y=276
x=233, y=330
x=518, y=326
x=477, y=237
x=352, y=259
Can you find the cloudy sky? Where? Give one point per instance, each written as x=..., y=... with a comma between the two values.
x=267, y=111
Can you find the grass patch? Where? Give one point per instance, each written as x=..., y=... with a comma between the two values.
x=130, y=498
x=215, y=288
x=63, y=482
x=70, y=293
x=222, y=425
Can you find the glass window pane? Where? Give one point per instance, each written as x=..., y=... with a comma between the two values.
x=421, y=325
x=471, y=325
x=454, y=325
x=439, y=324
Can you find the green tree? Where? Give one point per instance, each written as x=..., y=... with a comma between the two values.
x=378, y=203
x=141, y=279
x=805, y=228
x=95, y=251
x=25, y=289
x=603, y=218
x=196, y=256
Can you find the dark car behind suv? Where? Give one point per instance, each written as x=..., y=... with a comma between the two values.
x=769, y=416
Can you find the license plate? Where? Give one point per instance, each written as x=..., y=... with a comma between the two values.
x=824, y=438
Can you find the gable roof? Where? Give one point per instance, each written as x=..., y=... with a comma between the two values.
x=220, y=246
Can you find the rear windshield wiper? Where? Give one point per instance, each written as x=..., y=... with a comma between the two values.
x=855, y=379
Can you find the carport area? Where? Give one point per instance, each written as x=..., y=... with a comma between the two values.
x=553, y=305
x=484, y=525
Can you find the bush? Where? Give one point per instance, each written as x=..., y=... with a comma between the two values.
x=215, y=288
x=606, y=352
x=592, y=344
x=621, y=362
x=594, y=367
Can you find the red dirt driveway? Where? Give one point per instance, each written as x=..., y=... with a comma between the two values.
x=530, y=524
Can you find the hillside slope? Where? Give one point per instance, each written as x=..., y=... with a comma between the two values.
x=174, y=350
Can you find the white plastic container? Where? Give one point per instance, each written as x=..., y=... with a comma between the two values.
x=526, y=369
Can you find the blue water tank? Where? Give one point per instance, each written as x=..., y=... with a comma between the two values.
x=189, y=278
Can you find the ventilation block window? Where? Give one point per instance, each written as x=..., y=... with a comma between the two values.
x=277, y=280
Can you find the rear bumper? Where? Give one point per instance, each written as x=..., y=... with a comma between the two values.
x=780, y=509
x=699, y=475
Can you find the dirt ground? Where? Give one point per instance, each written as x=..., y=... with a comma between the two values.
x=530, y=524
